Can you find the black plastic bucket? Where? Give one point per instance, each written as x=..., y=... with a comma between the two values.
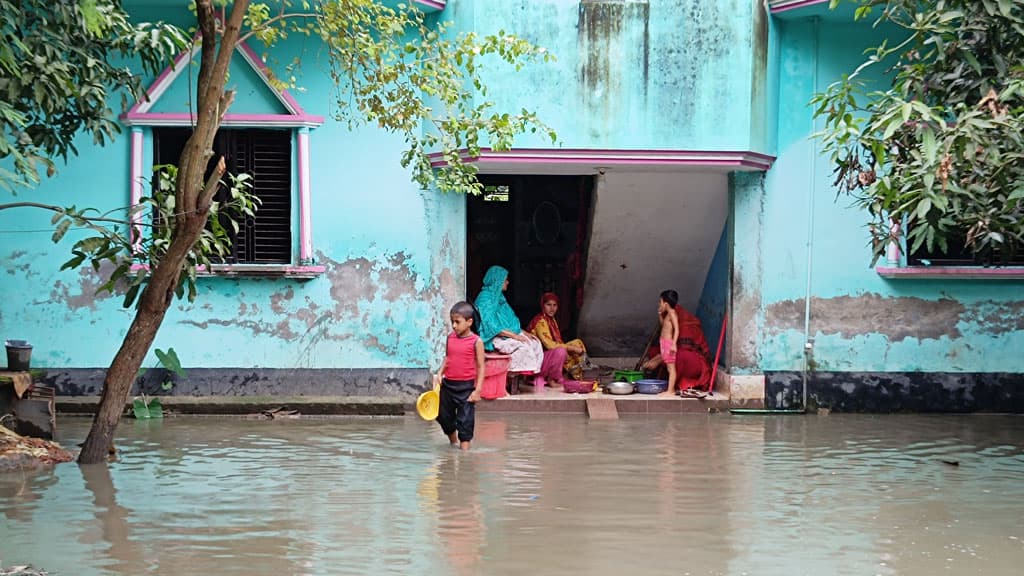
x=19, y=355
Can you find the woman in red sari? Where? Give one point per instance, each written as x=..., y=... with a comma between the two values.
x=545, y=327
x=693, y=359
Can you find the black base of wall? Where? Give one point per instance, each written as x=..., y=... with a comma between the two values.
x=897, y=391
x=383, y=382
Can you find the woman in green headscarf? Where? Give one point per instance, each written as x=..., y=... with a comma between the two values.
x=500, y=328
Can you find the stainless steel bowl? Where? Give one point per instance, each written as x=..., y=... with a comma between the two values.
x=619, y=388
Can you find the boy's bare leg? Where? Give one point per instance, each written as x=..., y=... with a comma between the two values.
x=464, y=445
x=671, y=380
x=453, y=438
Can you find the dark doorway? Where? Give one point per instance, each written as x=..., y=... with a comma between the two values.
x=537, y=227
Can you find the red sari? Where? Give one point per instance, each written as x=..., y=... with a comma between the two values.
x=693, y=359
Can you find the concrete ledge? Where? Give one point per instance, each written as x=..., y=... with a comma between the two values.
x=746, y=391
x=557, y=402
x=252, y=382
x=239, y=405
x=883, y=392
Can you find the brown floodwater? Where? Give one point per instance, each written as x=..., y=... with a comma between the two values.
x=552, y=495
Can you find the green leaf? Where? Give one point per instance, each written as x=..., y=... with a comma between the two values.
x=906, y=110
x=170, y=361
x=972, y=60
x=61, y=229
x=139, y=409
x=928, y=143
x=923, y=207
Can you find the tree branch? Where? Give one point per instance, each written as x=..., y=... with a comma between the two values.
x=274, y=20
x=64, y=210
x=212, y=184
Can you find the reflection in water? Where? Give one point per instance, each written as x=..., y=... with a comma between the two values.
x=126, y=556
x=538, y=494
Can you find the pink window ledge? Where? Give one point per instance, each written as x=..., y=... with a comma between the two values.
x=951, y=272
x=302, y=272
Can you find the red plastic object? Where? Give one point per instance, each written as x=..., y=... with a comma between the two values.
x=495, y=374
x=577, y=386
x=718, y=353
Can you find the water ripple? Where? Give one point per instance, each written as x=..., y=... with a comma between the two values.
x=555, y=495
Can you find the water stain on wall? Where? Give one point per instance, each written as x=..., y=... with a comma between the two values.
x=759, y=82
x=613, y=37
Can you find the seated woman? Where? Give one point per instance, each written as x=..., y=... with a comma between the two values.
x=568, y=355
x=693, y=358
x=500, y=328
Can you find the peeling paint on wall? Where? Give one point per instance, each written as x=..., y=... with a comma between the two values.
x=747, y=196
x=996, y=318
x=373, y=302
x=897, y=318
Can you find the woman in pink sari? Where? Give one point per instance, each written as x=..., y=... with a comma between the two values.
x=568, y=356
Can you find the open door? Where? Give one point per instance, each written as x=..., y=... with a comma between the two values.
x=538, y=228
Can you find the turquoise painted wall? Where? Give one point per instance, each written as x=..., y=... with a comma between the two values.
x=714, y=298
x=859, y=321
x=394, y=256
x=668, y=74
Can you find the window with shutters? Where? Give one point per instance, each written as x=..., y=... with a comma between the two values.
x=265, y=154
x=958, y=254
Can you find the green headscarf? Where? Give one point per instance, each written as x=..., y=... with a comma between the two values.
x=495, y=313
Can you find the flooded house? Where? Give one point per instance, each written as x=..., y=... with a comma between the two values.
x=683, y=161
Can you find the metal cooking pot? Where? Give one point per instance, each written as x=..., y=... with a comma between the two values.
x=620, y=388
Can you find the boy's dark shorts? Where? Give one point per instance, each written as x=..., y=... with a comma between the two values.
x=456, y=412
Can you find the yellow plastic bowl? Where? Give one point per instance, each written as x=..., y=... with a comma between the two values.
x=428, y=404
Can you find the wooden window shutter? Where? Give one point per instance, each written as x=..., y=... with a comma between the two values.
x=267, y=156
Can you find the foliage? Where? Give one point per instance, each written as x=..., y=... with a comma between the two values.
x=170, y=365
x=940, y=151
x=391, y=70
x=147, y=407
x=170, y=362
x=58, y=66
x=134, y=254
x=395, y=71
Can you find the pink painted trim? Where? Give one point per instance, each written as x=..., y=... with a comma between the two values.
x=612, y=157
x=437, y=4
x=618, y=152
x=952, y=272
x=141, y=108
x=796, y=5
x=260, y=67
x=249, y=270
x=164, y=81
x=305, y=202
x=135, y=185
x=892, y=252
x=186, y=119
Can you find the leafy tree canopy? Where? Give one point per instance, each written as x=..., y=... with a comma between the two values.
x=392, y=69
x=59, y=62
x=940, y=151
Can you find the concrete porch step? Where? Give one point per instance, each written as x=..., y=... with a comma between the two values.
x=553, y=401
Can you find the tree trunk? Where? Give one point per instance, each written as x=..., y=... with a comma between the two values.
x=156, y=298
x=193, y=199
